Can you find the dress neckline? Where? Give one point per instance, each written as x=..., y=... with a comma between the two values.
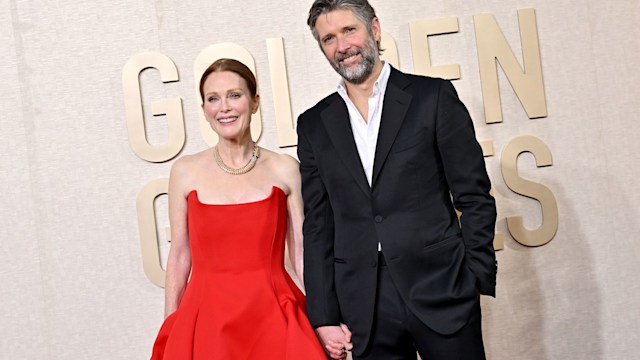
x=273, y=191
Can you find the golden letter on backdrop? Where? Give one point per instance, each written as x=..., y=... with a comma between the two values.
x=498, y=238
x=281, y=98
x=487, y=148
x=420, y=31
x=206, y=57
x=390, y=47
x=487, y=151
x=172, y=108
x=147, y=229
x=539, y=192
x=527, y=84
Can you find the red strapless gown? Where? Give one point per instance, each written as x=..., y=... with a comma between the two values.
x=240, y=303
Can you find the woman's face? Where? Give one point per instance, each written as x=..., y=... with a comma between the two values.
x=228, y=104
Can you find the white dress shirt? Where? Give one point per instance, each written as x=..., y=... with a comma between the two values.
x=365, y=134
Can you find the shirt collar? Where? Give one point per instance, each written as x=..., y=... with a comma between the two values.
x=381, y=81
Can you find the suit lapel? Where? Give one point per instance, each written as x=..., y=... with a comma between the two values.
x=394, y=108
x=336, y=122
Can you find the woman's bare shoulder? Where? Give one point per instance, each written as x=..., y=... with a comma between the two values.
x=185, y=162
x=279, y=159
x=284, y=169
x=188, y=170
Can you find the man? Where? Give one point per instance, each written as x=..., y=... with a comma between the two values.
x=385, y=161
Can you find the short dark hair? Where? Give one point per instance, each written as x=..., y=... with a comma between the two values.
x=234, y=66
x=360, y=8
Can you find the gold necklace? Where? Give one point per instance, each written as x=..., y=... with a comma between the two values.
x=248, y=166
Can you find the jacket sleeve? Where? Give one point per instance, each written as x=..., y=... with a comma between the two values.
x=318, y=232
x=469, y=184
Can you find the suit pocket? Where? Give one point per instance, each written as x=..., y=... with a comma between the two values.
x=444, y=242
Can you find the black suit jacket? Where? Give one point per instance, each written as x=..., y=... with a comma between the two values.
x=427, y=162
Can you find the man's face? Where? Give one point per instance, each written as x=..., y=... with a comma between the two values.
x=347, y=44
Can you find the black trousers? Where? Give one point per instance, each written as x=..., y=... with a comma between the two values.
x=398, y=334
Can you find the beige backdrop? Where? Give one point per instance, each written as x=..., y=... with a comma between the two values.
x=72, y=280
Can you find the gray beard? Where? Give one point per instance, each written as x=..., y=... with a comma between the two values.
x=358, y=75
x=362, y=70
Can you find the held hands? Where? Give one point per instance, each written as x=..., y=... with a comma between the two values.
x=336, y=340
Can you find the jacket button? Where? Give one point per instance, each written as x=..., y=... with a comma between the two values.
x=377, y=219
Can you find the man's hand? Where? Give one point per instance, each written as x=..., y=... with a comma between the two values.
x=336, y=340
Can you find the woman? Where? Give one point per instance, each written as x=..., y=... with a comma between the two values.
x=231, y=209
